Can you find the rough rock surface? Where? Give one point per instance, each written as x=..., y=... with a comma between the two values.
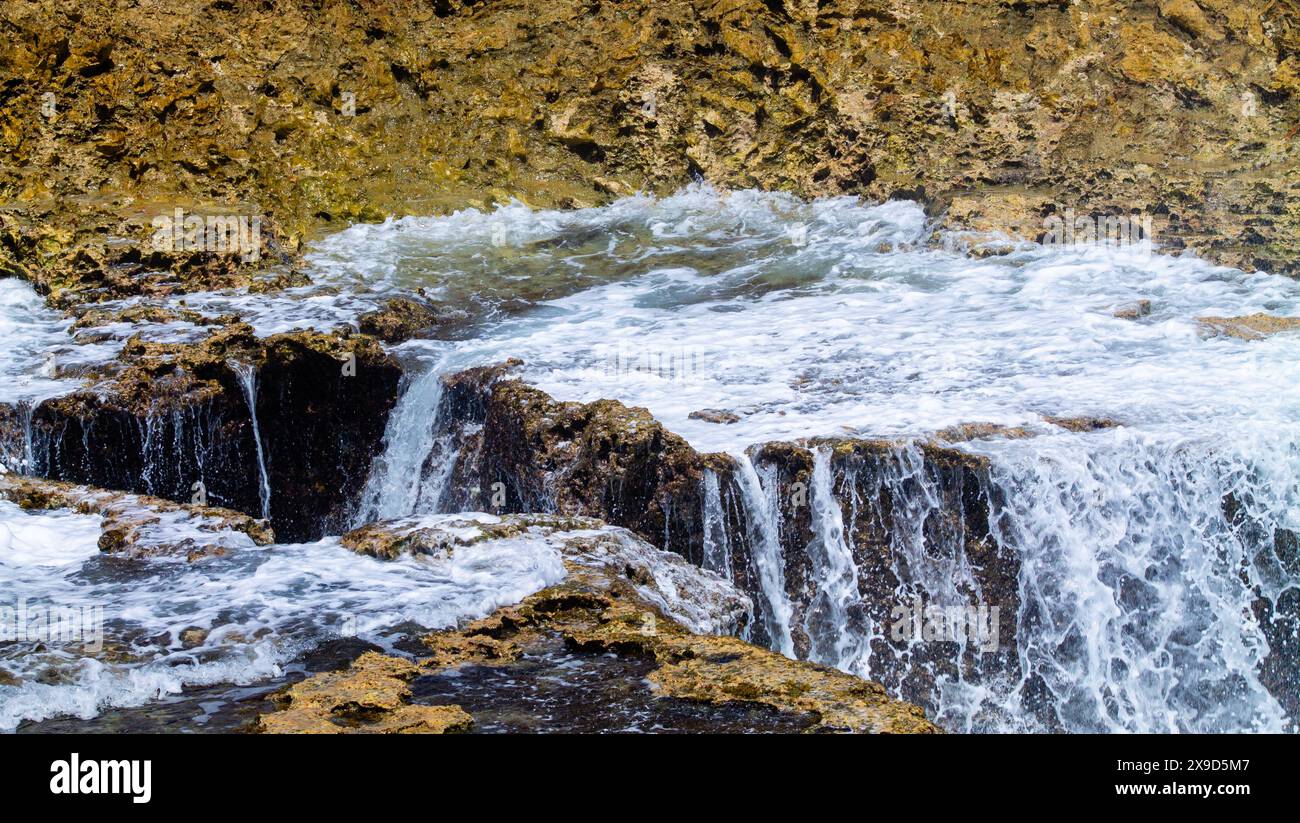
x=593, y=615
x=996, y=114
x=372, y=696
x=602, y=459
x=401, y=318
x=608, y=461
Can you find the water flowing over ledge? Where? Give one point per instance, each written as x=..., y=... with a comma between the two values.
x=845, y=421
x=1139, y=579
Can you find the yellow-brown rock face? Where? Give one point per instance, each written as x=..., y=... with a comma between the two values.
x=371, y=696
x=1183, y=110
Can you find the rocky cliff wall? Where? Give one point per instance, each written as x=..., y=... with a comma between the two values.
x=995, y=114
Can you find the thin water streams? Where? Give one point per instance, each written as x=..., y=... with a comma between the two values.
x=1151, y=566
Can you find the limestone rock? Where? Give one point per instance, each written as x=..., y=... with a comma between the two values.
x=1248, y=327
x=370, y=697
x=401, y=318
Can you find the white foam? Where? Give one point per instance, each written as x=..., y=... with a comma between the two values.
x=913, y=342
x=33, y=345
x=1137, y=590
x=261, y=605
x=830, y=318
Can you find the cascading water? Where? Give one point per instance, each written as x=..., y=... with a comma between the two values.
x=1145, y=568
x=410, y=475
x=835, y=575
x=717, y=543
x=763, y=517
x=1126, y=597
x=247, y=375
x=1143, y=573
x=28, y=463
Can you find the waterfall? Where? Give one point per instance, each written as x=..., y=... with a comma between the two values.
x=920, y=521
x=247, y=375
x=835, y=575
x=412, y=470
x=1149, y=585
x=29, y=442
x=1140, y=589
x=763, y=516
x=717, y=545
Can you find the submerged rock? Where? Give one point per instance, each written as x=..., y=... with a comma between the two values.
x=1083, y=424
x=142, y=526
x=1133, y=311
x=90, y=317
x=1248, y=327
x=714, y=416
x=980, y=431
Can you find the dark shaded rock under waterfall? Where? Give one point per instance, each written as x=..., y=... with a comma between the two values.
x=173, y=421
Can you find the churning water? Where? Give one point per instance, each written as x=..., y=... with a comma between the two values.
x=1146, y=549
x=1158, y=560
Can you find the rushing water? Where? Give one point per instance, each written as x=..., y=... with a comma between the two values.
x=1137, y=591
x=34, y=344
x=835, y=571
x=1151, y=556
x=238, y=617
x=762, y=516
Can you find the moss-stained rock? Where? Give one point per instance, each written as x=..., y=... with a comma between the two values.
x=597, y=613
x=389, y=541
x=622, y=597
x=721, y=670
x=401, y=318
